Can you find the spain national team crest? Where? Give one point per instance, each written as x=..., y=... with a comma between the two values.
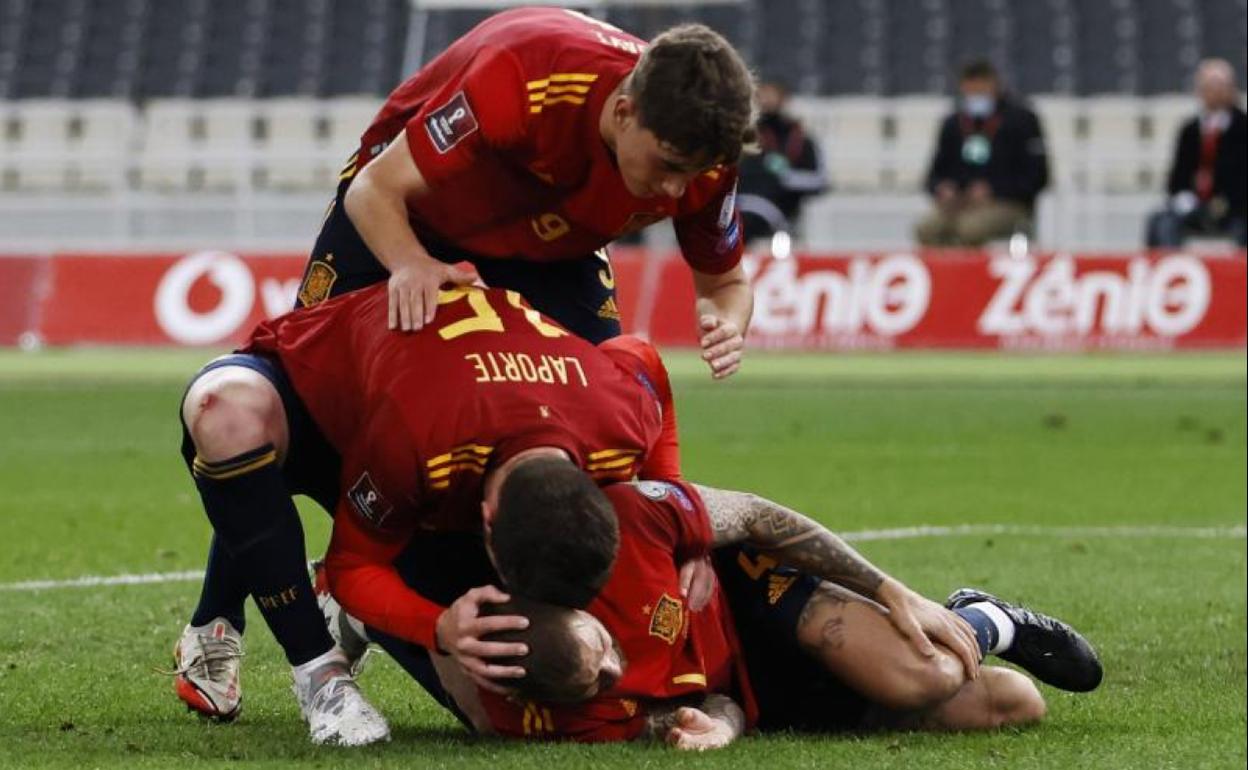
x=317, y=284
x=667, y=619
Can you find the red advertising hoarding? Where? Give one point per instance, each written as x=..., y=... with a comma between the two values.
x=808, y=302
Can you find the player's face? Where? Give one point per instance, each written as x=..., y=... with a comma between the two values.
x=650, y=168
x=604, y=663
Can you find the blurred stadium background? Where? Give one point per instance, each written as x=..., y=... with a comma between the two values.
x=155, y=123
x=189, y=147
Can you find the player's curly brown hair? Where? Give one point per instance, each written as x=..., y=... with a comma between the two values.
x=696, y=94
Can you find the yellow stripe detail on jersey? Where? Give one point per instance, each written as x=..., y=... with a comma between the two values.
x=447, y=470
x=605, y=453
x=573, y=77
x=699, y=679
x=564, y=99
x=479, y=450
x=571, y=88
x=616, y=463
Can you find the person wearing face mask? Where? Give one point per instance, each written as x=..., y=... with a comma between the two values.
x=1206, y=185
x=787, y=170
x=990, y=165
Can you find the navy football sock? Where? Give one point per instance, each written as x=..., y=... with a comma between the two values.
x=251, y=510
x=986, y=633
x=224, y=590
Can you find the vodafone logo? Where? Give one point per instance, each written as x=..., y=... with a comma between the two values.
x=235, y=288
x=885, y=297
x=1168, y=298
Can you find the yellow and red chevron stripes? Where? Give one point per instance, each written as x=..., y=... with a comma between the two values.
x=559, y=88
x=466, y=457
x=612, y=463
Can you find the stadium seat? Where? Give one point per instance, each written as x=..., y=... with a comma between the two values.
x=917, y=121
x=291, y=153
x=854, y=150
x=1061, y=118
x=1114, y=152
x=41, y=137
x=103, y=126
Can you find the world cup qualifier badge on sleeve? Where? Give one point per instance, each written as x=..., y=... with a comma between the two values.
x=451, y=123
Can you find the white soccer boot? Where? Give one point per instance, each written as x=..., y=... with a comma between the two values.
x=206, y=662
x=333, y=706
x=349, y=633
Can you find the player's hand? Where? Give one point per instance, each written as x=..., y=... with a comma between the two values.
x=697, y=583
x=924, y=622
x=413, y=291
x=722, y=343
x=459, y=631
x=695, y=730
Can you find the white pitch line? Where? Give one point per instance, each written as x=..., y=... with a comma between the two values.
x=898, y=533
x=961, y=530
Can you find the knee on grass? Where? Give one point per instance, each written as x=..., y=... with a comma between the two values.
x=1015, y=698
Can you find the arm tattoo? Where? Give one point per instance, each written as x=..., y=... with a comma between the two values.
x=789, y=537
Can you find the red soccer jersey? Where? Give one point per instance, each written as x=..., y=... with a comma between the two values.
x=504, y=126
x=670, y=652
x=418, y=419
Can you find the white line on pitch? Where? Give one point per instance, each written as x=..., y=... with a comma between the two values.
x=898, y=533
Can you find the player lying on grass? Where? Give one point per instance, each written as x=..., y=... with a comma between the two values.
x=417, y=420
x=525, y=148
x=819, y=657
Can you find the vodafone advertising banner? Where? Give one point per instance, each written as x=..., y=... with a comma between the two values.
x=808, y=302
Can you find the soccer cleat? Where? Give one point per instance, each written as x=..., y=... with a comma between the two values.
x=1045, y=647
x=335, y=709
x=206, y=670
x=348, y=633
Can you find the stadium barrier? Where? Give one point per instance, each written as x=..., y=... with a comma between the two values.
x=809, y=302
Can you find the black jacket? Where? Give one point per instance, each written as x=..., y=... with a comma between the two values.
x=1017, y=168
x=1230, y=167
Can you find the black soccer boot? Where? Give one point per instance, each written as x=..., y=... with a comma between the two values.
x=1045, y=647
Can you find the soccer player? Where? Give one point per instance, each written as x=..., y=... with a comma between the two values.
x=819, y=657
x=529, y=145
x=489, y=388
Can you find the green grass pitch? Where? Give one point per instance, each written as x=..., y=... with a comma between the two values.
x=92, y=485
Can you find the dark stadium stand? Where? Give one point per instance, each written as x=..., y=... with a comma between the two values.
x=144, y=49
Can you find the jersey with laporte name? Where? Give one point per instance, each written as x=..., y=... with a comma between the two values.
x=420, y=417
x=504, y=127
x=670, y=652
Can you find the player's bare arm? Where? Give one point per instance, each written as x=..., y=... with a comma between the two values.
x=712, y=724
x=796, y=541
x=725, y=303
x=376, y=204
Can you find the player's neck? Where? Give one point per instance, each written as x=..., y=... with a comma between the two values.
x=495, y=478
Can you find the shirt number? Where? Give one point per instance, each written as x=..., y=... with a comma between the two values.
x=485, y=318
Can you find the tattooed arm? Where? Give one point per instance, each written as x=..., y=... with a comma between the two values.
x=790, y=538
x=794, y=540
x=713, y=724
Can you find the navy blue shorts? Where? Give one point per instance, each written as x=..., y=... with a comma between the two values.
x=578, y=293
x=311, y=467
x=794, y=691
